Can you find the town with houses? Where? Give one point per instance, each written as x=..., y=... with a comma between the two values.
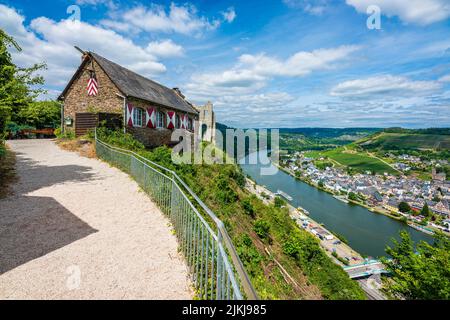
x=384, y=193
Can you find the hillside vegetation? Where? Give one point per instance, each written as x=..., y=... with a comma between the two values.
x=406, y=141
x=264, y=235
x=354, y=159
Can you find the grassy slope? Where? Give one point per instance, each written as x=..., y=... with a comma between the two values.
x=394, y=141
x=221, y=188
x=359, y=161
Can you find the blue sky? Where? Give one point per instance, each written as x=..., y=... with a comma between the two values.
x=272, y=63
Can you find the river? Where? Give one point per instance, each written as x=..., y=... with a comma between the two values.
x=367, y=232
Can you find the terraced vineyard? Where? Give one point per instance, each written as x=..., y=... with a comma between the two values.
x=395, y=141
x=358, y=161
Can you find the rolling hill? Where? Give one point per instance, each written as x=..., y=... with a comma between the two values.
x=403, y=139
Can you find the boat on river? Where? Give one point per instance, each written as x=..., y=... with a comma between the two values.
x=341, y=198
x=284, y=195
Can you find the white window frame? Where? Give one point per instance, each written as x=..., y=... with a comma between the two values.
x=138, y=114
x=160, y=119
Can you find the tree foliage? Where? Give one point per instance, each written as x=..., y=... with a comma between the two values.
x=18, y=86
x=404, y=207
x=426, y=212
x=40, y=114
x=423, y=273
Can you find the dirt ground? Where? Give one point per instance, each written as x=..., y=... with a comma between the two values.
x=75, y=228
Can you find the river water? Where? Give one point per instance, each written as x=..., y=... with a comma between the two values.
x=368, y=233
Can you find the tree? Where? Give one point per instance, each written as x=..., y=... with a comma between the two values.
x=423, y=273
x=404, y=207
x=321, y=184
x=40, y=114
x=426, y=212
x=17, y=85
x=353, y=196
x=278, y=202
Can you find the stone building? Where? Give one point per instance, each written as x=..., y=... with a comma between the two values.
x=207, y=122
x=150, y=111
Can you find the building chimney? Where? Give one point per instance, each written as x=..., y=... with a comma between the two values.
x=178, y=92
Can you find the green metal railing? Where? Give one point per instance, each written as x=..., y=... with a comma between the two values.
x=207, y=250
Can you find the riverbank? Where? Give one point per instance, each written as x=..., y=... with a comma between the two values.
x=341, y=253
x=377, y=210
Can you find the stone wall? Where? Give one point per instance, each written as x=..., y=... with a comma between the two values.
x=208, y=119
x=154, y=137
x=77, y=99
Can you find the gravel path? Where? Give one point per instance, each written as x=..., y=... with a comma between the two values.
x=76, y=228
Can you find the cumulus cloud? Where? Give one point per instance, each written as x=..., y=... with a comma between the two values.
x=183, y=19
x=382, y=86
x=252, y=72
x=422, y=12
x=165, y=49
x=300, y=64
x=45, y=40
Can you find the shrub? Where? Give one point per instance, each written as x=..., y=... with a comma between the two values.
x=262, y=227
x=248, y=207
x=120, y=139
x=225, y=193
x=68, y=134
x=278, y=202
x=2, y=149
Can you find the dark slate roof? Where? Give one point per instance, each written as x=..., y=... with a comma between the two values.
x=137, y=86
x=134, y=85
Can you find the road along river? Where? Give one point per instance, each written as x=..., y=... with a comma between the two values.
x=368, y=233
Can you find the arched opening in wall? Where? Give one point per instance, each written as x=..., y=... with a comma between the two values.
x=203, y=130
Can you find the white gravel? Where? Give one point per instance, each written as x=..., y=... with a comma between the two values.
x=75, y=228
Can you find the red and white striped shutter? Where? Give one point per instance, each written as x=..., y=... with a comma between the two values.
x=151, y=118
x=130, y=115
x=170, y=120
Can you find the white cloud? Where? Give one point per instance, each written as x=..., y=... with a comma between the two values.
x=182, y=19
x=165, y=49
x=445, y=78
x=229, y=15
x=316, y=7
x=422, y=12
x=252, y=72
x=300, y=64
x=383, y=86
x=45, y=40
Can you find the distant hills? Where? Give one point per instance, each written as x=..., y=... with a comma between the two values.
x=367, y=138
x=405, y=139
